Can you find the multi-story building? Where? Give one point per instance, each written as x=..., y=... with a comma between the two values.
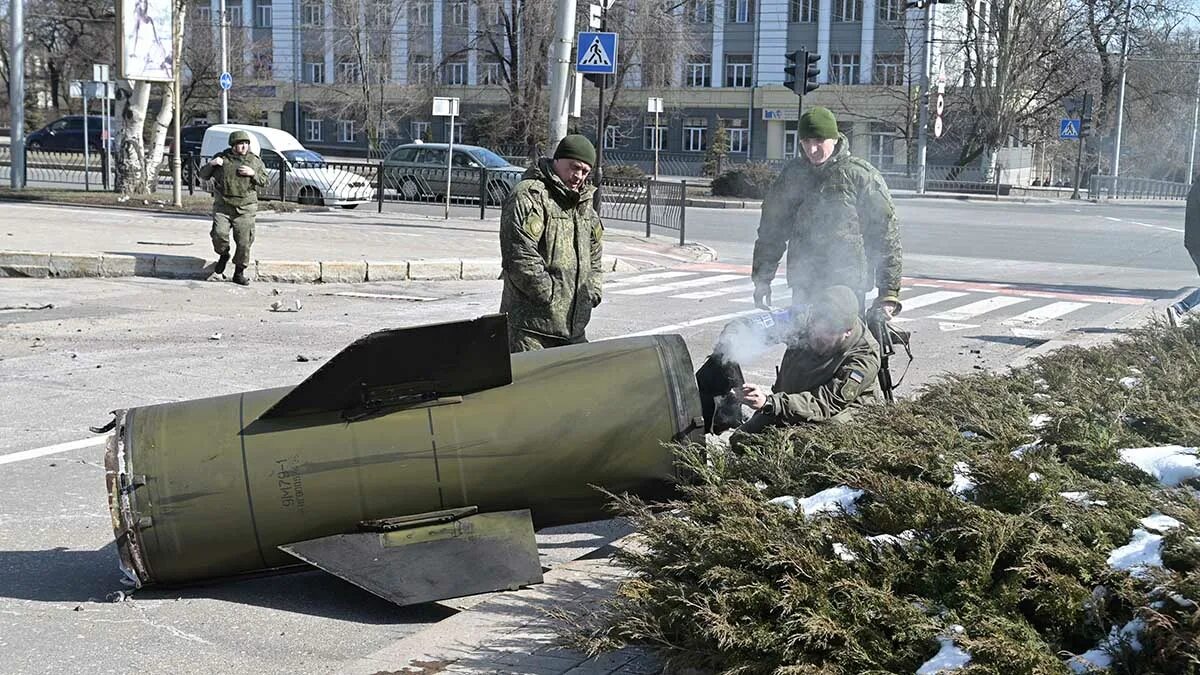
x=299, y=51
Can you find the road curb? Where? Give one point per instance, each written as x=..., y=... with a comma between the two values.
x=41, y=265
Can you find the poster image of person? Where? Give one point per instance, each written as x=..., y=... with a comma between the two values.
x=148, y=50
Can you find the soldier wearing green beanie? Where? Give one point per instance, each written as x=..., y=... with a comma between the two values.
x=832, y=214
x=829, y=371
x=550, y=249
x=237, y=175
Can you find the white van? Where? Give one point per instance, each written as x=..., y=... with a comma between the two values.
x=308, y=179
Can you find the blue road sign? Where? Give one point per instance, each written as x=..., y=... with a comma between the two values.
x=597, y=53
x=1068, y=129
x=226, y=81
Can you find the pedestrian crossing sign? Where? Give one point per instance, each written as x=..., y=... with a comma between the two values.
x=1068, y=129
x=597, y=53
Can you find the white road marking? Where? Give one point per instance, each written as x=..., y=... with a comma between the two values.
x=653, y=276
x=1115, y=220
x=1159, y=227
x=687, y=324
x=53, y=449
x=975, y=309
x=726, y=290
x=1039, y=316
x=677, y=285
x=927, y=299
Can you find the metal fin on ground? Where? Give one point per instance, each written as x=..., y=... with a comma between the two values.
x=394, y=368
x=412, y=559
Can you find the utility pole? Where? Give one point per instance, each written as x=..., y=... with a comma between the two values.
x=1085, y=130
x=923, y=129
x=177, y=143
x=297, y=64
x=224, y=18
x=561, y=54
x=1116, y=163
x=16, y=91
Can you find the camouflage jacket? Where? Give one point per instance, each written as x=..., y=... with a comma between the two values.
x=550, y=245
x=230, y=189
x=836, y=222
x=1191, y=220
x=817, y=388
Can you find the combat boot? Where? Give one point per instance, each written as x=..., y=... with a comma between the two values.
x=219, y=268
x=239, y=275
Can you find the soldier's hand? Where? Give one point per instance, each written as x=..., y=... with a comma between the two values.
x=889, y=308
x=754, y=396
x=216, y=161
x=244, y=170
x=762, y=296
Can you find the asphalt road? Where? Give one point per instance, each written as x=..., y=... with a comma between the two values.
x=985, y=283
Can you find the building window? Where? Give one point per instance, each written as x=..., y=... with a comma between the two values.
x=695, y=133
x=843, y=68
x=379, y=70
x=345, y=131
x=262, y=13
x=379, y=14
x=349, y=71
x=314, y=72
x=489, y=13
x=611, y=135
x=312, y=14
x=891, y=11
x=458, y=13
x=458, y=130
x=419, y=130
x=422, y=13
x=234, y=14
x=651, y=134
x=739, y=136
x=739, y=69
x=456, y=73
x=740, y=11
x=489, y=73
x=889, y=69
x=699, y=11
x=203, y=15
x=420, y=69
x=698, y=72
x=882, y=152
x=803, y=11
x=312, y=130
x=263, y=62
x=656, y=75
x=847, y=10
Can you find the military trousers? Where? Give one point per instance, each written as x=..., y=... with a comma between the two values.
x=528, y=341
x=238, y=221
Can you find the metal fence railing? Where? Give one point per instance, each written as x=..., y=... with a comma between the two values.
x=1120, y=187
x=52, y=169
x=655, y=203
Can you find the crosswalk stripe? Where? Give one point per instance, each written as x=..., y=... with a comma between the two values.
x=694, y=322
x=977, y=308
x=653, y=276
x=678, y=285
x=1039, y=316
x=926, y=299
x=725, y=290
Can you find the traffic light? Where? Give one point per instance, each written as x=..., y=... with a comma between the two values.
x=811, y=71
x=1085, y=126
x=790, y=71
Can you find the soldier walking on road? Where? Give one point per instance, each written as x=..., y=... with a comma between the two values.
x=550, y=246
x=833, y=215
x=237, y=176
x=1191, y=242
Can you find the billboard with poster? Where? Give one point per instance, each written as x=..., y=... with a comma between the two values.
x=145, y=41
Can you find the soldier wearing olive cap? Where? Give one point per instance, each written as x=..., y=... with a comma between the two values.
x=237, y=175
x=550, y=246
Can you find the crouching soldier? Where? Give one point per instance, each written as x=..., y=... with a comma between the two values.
x=830, y=369
x=237, y=175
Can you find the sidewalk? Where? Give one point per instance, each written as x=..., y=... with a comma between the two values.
x=336, y=246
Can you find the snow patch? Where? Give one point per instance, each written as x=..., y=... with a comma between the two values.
x=1130, y=382
x=1144, y=549
x=962, y=480
x=1082, y=498
x=949, y=658
x=893, y=539
x=843, y=552
x=1169, y=464
x=1159, y=522
x=1100, y=658
x=1019, y=451
x=832, y=501
x=1039, y=420
x=1034, y=477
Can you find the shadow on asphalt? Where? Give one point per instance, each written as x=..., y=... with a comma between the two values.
x=1011, y=340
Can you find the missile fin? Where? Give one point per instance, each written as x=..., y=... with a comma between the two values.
x=431, y=558
x=397, y=368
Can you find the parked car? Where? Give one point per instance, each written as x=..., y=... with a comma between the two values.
x=192, y=139
x=308, y=178
x=66, y=134
x=418, y=171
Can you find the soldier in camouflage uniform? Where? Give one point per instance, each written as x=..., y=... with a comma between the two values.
x=829, y=371
x=237, y=176
x=550, y=245
x=833, y=215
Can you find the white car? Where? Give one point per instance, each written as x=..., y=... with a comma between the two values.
x=307, y=177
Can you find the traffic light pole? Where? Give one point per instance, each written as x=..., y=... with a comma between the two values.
x=1087, y=106
x=923, y=103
